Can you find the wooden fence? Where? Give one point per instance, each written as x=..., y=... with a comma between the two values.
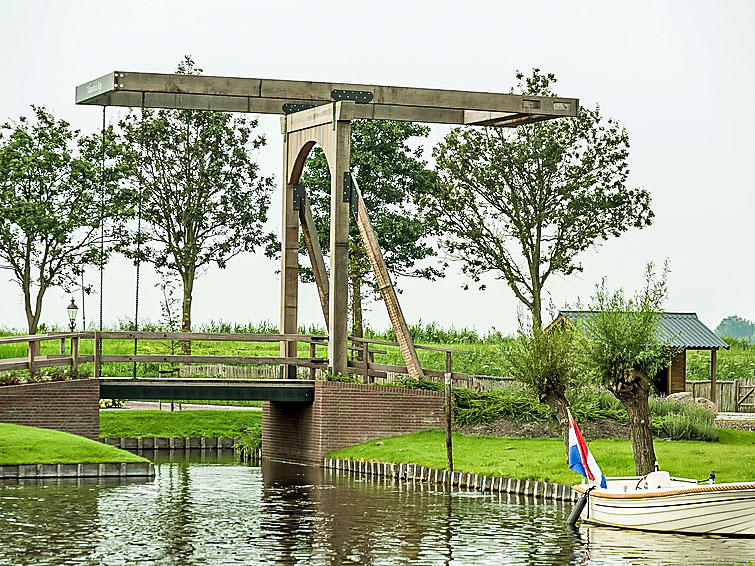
x=736, y=395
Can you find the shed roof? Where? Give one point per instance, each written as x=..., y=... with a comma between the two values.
x=679, y=329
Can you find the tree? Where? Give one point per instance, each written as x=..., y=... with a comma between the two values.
x=523, y=203
x=624, y=350
x=545, y=362
x=389, y=173
x=737, y=327
x=53, y=200
x=202, y=200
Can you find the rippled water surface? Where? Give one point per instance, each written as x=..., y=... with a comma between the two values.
x=213, y=511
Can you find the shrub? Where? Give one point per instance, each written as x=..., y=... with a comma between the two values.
x=681, y=421
x=251, y=439
x=10, y=378
x=589, y=403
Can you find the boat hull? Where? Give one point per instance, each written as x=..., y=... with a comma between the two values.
x=723, y=509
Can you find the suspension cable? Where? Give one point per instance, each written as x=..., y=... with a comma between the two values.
x=102, y=213
x=139, y=230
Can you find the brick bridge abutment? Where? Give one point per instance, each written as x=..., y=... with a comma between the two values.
x=343, y=414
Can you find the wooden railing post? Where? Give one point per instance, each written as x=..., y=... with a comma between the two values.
x=312, y=355
x=366, y=360
x=74, y=355
x=62, y=345
x=97, y=354
x=33, y=351
x=713, y=353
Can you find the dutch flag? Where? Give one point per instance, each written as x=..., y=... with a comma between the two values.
x=580, y=458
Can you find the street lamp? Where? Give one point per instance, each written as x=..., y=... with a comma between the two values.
x=72, y=310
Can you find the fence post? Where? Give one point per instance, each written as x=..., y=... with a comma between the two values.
x=713, y=375
x=33, y=346
x=366, y=360
x=97, y=354
x=312, y=355
x=62, y=345
x=449, y=415
x=74, y=355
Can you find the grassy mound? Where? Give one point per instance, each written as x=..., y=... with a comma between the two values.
x=30, y=445
x=182, y=424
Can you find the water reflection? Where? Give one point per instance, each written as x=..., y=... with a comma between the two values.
x=203, y=508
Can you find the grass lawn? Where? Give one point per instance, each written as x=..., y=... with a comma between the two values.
x=185, y=424
x=30, y=445
x=733, y=457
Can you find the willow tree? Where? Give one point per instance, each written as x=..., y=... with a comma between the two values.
x=389, y=173
x=202, y=198
x=54, y=198
x=624, y=349
x=546, y=363
x=522, y=203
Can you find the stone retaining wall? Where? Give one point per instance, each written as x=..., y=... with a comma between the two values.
x=52, y=471
x=461, y=480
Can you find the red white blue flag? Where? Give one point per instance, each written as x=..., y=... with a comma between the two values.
x=580, y=458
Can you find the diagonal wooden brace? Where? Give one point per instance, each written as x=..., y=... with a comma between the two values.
x=406, y=344
x=312, y=241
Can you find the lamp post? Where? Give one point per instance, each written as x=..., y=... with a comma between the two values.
x=72, y=311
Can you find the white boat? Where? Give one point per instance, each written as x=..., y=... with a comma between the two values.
x=658, y=502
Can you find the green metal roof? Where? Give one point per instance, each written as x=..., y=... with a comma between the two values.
x=679, y=329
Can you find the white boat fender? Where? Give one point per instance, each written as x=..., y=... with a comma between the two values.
x=578, y=507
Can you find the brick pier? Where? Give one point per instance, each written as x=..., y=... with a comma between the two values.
x=343, y=414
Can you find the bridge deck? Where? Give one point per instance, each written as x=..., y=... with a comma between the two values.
x=208, y=389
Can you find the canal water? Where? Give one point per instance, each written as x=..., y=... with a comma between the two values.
x=208, y=509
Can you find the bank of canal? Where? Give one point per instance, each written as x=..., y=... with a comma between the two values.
x=205, y=508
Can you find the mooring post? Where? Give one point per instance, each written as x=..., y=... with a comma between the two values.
x=449, y=415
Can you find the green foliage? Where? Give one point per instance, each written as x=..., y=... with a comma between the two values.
x=737, y=327
x=682, y=421
x=550, y=189
x=202, y=200
x=623, y=346
x=250, y=439
x=53, y=201
x=346, y=378
x=589, y=403
x=543, y=361
x=478, y=407
x=736, y=363
x=433, y=333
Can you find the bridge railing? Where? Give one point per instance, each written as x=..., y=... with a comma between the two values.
x=312, y=362
x=362, y=362
x=35, y=360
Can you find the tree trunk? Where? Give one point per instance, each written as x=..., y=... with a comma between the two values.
x=188, y=282
x=557, y=404
x=633, y=392
x=638, y=411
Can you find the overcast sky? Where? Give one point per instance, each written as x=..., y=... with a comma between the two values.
x=678, y=75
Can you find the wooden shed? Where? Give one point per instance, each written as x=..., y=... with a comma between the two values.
x=682, y=331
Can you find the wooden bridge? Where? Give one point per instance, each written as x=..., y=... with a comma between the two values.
x=160, y=348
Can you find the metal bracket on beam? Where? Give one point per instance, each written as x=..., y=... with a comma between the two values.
x=290, y=107
x=358, y=96
x=299, y=194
